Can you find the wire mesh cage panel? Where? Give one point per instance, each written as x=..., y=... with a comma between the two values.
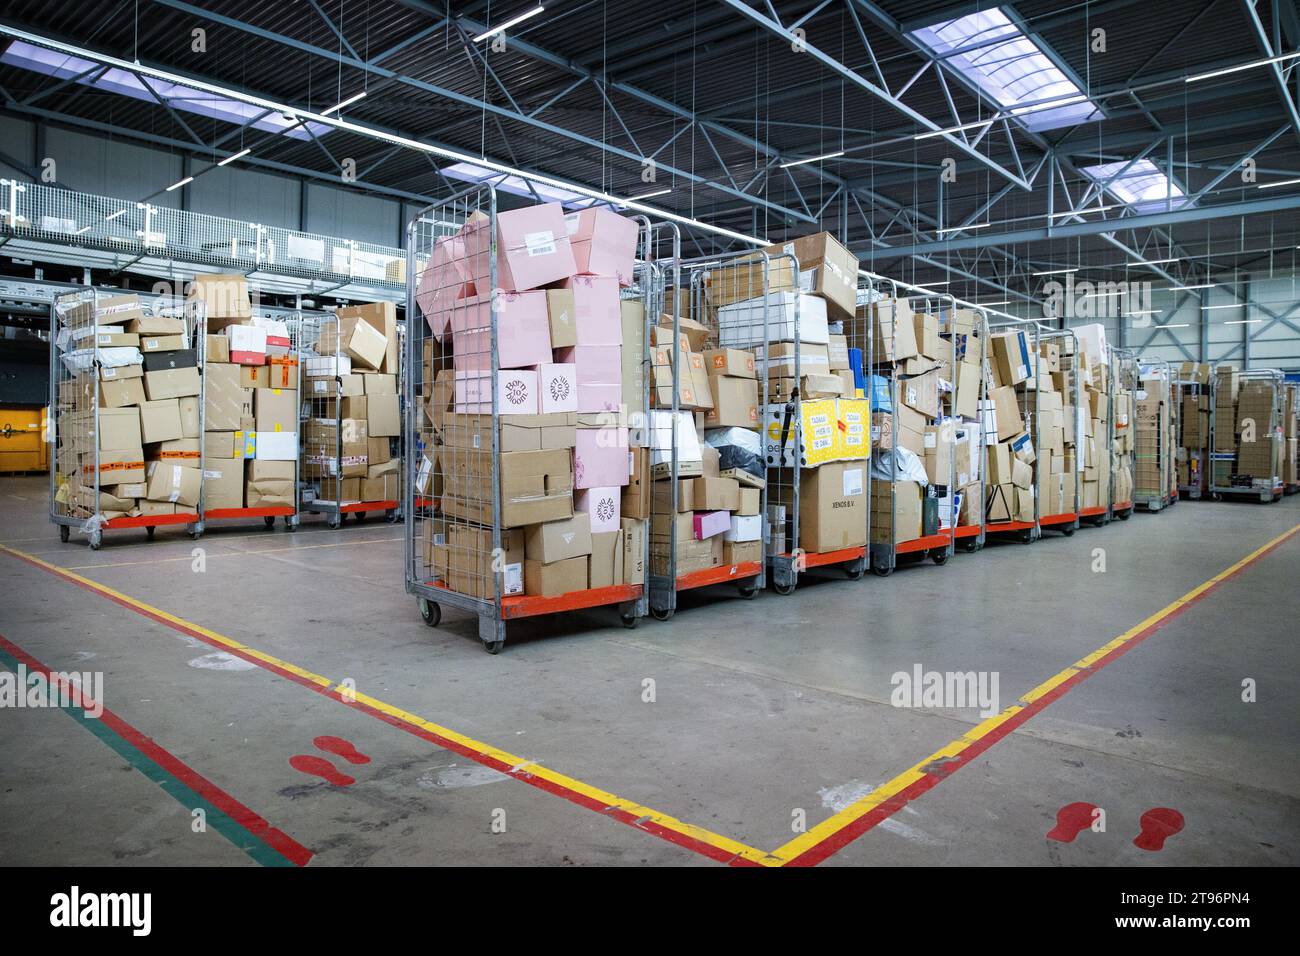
x=969, y=395
x=710, y=387
x=1014, y=504
x=1072, y=439
x=1124, y=439
x=518, y=451
x=1153, y=427
x=1250, y=436
x=111, y=427
x=1194, y=399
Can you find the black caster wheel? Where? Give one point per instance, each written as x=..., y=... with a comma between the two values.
x=939, y=557
x=268, y=521
x=289, y=524
x=335, y=521
x=431, y=612
x=64, y=533
x=783, y=589
x=1025, y=537
x=95, y=541
x=970, y=547
x=149, y=532
x=854, y=570
x=1124, y=515
x=1216, y=497
x=1068, y=532
x=360, y=516
x=493, y=647
x=194, y=535
x=748, y=593
x=881, y=571
x=665, y=614
x=629, y=621
x=390, y=516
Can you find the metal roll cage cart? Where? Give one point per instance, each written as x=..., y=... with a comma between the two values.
x=1100, y=514
x=1126, y=372
x=1274, y=491
x=1198, y=482
x=1066, y=522
x=733, y=275
x=323, y=432
x=972, y=535
x=787, y=565
x=1153, y=500
x=939, y=546
x=1026, y=532
x=1288, y=404
x=289, y=513
x=459, y=472
x=74, y=427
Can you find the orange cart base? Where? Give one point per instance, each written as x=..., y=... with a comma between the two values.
x=924, y=543
x=516, y=606
x=150, y=521
x=1063, y=522
x=726, y=574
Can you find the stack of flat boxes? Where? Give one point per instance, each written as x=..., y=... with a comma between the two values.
x=569, y=376
x=964, y=441
x=1227, y=391
x=250, y=438
x=1151, y=459
x=831, y=434
x=1122, y=411
x=1259, y=447
x=1071, y=439
x=1290, y=420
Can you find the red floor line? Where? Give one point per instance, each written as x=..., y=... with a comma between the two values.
x=877, y=815
x=556, y=789
x=254, y=823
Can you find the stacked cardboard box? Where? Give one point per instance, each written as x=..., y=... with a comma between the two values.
x=570, y=375
x=1014, y=374
x=250, y=379
x=1290, y=421
x=1152, y=467
x=1192, y=456
x=1260, y=444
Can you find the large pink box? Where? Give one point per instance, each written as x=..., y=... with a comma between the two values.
x=445, y=279
x=602, y=504
x=597, y=318
x=600, y=459
x=557, y=386
x=523, y=331
x=599, y=371
x=709, y=523
x=604, y=243
x=532, y=247
x=516, y=392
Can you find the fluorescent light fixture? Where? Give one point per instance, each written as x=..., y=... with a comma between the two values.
x=657, y=192
x=1280, y=182
x=1242, y=66
x=83, y=229
x=348, y=102
x=1143, y=312
x=1084, y=210
x=990, y=304
x=1189, y=288
x=1011, y=72
x=187, y=179
x=956, y=129
x=1243, y=321
x=1055, y=272
x=1140, y=185
x=234, y=156
x=509, y=23
x=1153, y=262
x=812, y=159
x=944, y=282
x=1176, y=325
x=1235, y=305
x=259, y=104
x=982, y=225
x=113, y=215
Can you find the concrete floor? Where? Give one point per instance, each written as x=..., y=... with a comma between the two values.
x=764, y=709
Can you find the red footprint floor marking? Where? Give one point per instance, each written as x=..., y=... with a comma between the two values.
x=1071, y=820
x=320, y=767
x=341, y=748
x=1158, y=825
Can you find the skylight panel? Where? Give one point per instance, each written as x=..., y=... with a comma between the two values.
x=517, y=185
x=125, y=83
x=1140, y=185
x=1009, y=67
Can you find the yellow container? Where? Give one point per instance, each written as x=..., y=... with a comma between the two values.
x=22, y=439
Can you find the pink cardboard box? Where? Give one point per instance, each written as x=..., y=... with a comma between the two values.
x=709, y=523
x=532, y=247
x=600, y=459
x=523, y=331
x=599, y=375
x=597, y=318
x=604, y=243
x=516, y=392
x=247, y=344
x=444, y=280
x=557, y=384
x=602, y=504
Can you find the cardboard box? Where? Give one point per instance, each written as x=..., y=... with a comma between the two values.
x=706, y=524
x=744, y=528
x=636, y=497
x=536, y=486
x=171, y=383
x=516, y=391
x=533, y=247
x=122, y=392
x=599, y=375
x=380, y=487
x=222, y=296
x=383, y=416
x=903, y=522
x=714, y=494
x=122, y=310
x=603, y=243
x=517, y=432
x=119, y=428
x=735, y=402
x=634, y=548
x=602, y=507
x=223, y=483
x=1012, y=357
x=247, y=344
x=894, y=329
x=600, y=457
x=552, y=580
x=742, y=552
x=790, y=316
x=470, y=565
x=1006, y=412
x=381, y=316
x=560, y=317
x=116, y=466
x=750, y=501
x=160, y=421
x=833, y=507
x=632, y=357
x=826, y=269
x=178, y=484
x=560, y=540
x=736, y=363
x=557, y=387
x=218, y=445
x=216, y=349
x=275, y=410
x=277, y=446
x=151, y=344
x=938, y=443
x=606, y=565
x=282, y=372
x=255, y=376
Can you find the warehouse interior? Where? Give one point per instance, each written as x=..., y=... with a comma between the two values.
x=859, y=432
